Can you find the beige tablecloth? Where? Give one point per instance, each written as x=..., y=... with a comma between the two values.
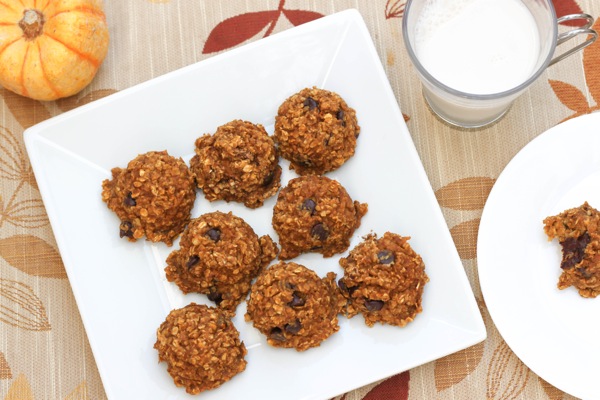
x=44, y=352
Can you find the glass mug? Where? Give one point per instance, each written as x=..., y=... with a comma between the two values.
x=475, y=57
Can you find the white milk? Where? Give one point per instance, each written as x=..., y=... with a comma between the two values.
x=477, y=46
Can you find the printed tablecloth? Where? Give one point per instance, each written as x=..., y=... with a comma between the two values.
x=44, y=352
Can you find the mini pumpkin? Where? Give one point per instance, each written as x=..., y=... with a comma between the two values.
x=51, y=48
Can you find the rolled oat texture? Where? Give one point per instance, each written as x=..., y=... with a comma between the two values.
x=383, y=280
x=293, y=307
x=219, y=255
x=316, y=131
x=201, y=347
x=152, y=197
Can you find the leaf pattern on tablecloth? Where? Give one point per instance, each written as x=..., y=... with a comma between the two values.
x=79, y=393
x=452, y=369
x=26, y=111
x=465, y=238
x=240, y=28
x=507, y=376
x=552, y=392
x=466, y=193
x=69, y=103
x=32, y=255
x=14, y=164
x=21, y=308
x=394, y=8
x=394, y=388
x=19, y=389
x=565, y=7
x=574, y=98
x=5, y=372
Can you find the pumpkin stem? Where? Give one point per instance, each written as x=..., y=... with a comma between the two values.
x=32, y=24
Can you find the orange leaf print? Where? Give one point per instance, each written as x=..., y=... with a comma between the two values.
x=14, y=164
x=238, y=29
x=5, y=372
x=570, y=96
x=79, y=393
x=21, y=308
x=27, y=112
x=552, y=392
x=465, y=194
x=465, y=238
x=24, y=214
x=19, y=389
x=69, y=103
x=33, y=256
x=299, y=17
x=394, y=388
x=591, y=66
x=507, y=376
x=452, y=369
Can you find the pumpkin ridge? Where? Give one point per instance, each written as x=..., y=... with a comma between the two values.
x=2, y=3
x=22, y=77
x=8, y=45
x=50, y=85
x=84, y=56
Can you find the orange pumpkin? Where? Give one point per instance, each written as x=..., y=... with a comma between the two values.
x=51, y=48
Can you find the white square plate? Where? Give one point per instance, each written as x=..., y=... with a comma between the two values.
x=120, y=287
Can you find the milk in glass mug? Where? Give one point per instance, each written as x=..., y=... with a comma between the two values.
x=475, y=57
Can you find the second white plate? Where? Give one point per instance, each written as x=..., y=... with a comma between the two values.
x=554, y=332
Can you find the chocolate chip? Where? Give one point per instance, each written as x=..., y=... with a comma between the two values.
x=340, y=115
x=293, y=328
x=277, y=334
x=385, y=257
x=192, y=261
x=129, y=201
x=373, y=305
x=311, y=103
x=309, y=205
x=349, y=290
x=297, y=300
x=214, y=234
x=126, y=229
x=269, y=178
x=585, y=274
x=319, y=232
x=215, y=296
x=574, y=250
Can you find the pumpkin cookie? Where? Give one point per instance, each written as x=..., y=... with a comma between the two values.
x=316, y=131
x=293, y=307
x=238, y=163
x=219, y=256
x=201, y=347
x=315, y=214
x=152, y=197
x=578, y=232
x=383, y=280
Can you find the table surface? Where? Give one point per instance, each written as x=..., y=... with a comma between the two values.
x=44, y=352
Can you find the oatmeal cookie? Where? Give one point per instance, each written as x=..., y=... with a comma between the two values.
x=293, y=307
x=578, y=232
x=316, y=131
x=383, y=280
x=219, y=255
x=238, y=163
x=152, y=197
x=201, y=347
x=315, y=214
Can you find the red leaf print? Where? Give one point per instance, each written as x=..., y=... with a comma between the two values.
x=238, y=29
x=394, y=388
x=299, y=17
x=566, y=7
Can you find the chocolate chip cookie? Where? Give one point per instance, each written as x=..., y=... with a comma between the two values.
x=152, y=197
x=383, y=280
x=315, y=214
x=316, y=131
x=293, y=307
x=238, y=163
x=219, y=255
x=201, y=347
x=578, y=232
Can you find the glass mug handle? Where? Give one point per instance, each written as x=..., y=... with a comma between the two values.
x=565, y=36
